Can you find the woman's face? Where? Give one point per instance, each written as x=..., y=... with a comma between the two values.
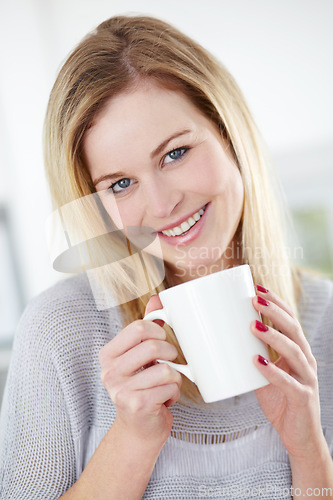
x=166, y=167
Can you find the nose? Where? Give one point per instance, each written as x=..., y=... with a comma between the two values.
x=161, y=198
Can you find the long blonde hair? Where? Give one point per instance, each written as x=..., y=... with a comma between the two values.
x=108, y=61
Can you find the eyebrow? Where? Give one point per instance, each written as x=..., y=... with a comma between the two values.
x=153, y=154
x=163, y=144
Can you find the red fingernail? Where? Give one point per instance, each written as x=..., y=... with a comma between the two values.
x=261, y=289
x=262, y=301
x=261, y=327
x=262, y=360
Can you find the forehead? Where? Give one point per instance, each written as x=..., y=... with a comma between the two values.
x=147, y=107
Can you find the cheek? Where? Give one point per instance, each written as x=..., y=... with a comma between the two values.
x=204, y=176
x=236, y=188
x=231, y=198
x=216, y=175
x=130, y=212
x=111, y=206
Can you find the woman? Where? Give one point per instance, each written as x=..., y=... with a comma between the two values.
x=149, y=121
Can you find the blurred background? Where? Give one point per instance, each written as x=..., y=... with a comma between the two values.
x=280, y=52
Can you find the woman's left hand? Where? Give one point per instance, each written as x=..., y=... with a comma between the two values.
x=291, y=400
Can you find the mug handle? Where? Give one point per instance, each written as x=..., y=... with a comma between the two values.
x=184, y=369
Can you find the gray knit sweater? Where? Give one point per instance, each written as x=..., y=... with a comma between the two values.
x=56, y=411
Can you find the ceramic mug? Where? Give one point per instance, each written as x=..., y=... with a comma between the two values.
x=211, y=318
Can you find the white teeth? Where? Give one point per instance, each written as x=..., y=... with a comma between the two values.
x=185, y=226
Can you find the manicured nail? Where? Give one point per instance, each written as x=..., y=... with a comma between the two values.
x=261, y=327
x=262, y=301
x=262, y=360
x=261, y=289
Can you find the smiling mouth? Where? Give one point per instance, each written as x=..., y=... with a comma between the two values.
x=185, y=226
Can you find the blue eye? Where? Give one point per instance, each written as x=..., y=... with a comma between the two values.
x=175, y=154
x=122, y=184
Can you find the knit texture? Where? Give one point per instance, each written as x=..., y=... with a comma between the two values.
x=56, y=410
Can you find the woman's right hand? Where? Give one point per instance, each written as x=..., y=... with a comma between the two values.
x=141, y=388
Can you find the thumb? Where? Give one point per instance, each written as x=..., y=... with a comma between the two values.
x=153, y=304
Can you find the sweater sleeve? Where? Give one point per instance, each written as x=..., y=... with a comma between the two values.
x=317, y=319
x=324, y=355
x=36, y=446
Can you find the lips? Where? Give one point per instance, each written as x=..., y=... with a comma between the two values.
x=179, y=222
x=185, y=226
x=189, y=235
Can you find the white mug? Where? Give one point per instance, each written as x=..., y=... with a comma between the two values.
x=211, y=319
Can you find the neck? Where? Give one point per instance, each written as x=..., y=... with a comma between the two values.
x=176, y=276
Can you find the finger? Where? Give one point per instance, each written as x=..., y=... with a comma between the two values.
x=173, y=399
x=144, y=353
x=290, y=351
x=289, y=386
x=273, y=297
x=282, y=320
x=147, y=400
x=156, y=396
x=166, y=393
x=155, y=376
x=153, y=304
x=132, y=335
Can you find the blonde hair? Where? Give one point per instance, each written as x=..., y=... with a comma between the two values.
x=110, y=60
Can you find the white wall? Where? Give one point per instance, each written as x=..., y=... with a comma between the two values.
x=279, y=51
